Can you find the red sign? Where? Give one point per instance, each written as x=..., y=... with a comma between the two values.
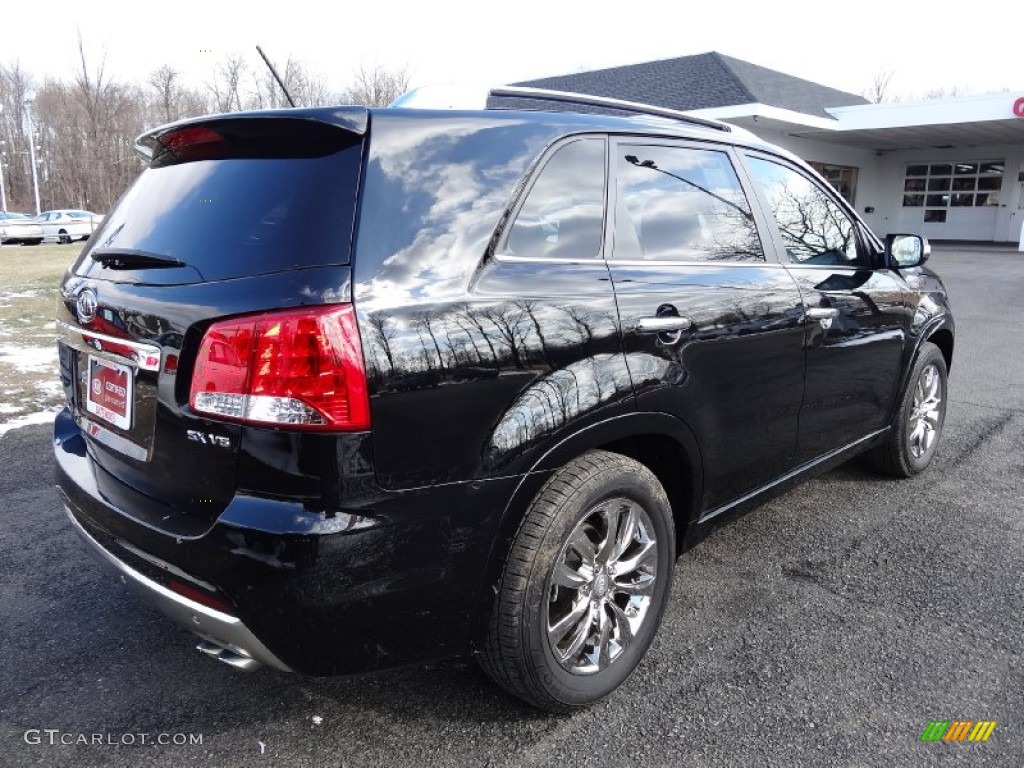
x=109, y=395
x=1018, y=107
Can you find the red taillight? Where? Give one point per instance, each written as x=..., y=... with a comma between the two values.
x=299, y=368
x=195, y=143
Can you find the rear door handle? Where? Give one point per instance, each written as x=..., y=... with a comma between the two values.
x=664, y=324
x=822, y=313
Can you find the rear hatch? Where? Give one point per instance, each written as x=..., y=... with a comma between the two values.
x=235, y=216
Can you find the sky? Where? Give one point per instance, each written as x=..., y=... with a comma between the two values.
x=842, y=45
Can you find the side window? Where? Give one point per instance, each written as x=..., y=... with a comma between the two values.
x=814, y=229
x=563, y=216
x=677, y=203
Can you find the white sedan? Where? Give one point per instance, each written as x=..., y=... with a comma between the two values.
x=19, y=228
x=68, y=225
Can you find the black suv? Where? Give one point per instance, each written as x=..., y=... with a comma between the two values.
x=351, y=388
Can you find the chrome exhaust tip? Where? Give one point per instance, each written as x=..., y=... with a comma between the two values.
x=229, y=657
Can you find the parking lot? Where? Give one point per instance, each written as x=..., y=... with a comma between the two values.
x=827, y=627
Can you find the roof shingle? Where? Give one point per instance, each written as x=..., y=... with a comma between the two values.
x=701, y=81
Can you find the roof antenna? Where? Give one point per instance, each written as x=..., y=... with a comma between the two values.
x=276, y=76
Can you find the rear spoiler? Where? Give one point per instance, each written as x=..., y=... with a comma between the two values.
x=253, y=134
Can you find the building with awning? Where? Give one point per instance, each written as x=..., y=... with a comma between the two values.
x=949, y=168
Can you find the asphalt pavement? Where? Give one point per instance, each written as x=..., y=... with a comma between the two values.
x=827, y=627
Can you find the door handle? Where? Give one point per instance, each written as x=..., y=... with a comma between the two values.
x=663, y=324
x=824, y=316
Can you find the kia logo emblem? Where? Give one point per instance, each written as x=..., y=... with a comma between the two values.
x=86, y=305
x=1018, y=107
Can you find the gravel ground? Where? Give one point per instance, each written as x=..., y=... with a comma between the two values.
x=828, y=627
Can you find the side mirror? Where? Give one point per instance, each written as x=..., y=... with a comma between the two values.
x=903, y=251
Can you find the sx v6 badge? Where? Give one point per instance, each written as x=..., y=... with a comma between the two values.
x=208, y=438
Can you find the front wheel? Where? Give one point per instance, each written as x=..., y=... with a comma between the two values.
x=585, y=584
x=911, y=443
x=63, y=237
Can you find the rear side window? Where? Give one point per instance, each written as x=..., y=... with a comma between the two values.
x=679, y=203
x=563, y=216
x=240, y=215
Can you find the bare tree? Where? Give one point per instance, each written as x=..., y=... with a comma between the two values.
x=376, y=86
x=85, y=124
x=171, y=99
x=878, y=90
x=383, y=334
x=509, y=327
x=304, y=86
x=164, y=81
x=226, y=85
x=459, y=319
x=948, y=92
x=580, y=324
x=15, y=87
x=531, y=307
x=470, y=316
x=425, y=320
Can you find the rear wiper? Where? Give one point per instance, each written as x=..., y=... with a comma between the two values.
x=123, y=258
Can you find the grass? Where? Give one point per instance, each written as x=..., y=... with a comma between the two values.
x=29, y=278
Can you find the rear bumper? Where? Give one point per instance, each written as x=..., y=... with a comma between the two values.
x=221, y=629
x=396, y=581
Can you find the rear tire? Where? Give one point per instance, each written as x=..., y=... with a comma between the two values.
x=585, y=584
x=914, y=436
x=63, y=237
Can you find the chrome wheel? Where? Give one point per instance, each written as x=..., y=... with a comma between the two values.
x=601, y=587
x=925, y=420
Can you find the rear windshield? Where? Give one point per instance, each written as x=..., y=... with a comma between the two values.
x=239, y=216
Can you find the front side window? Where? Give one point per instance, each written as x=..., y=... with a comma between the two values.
x=563, y=216
x=681, y=204
x=814, y=229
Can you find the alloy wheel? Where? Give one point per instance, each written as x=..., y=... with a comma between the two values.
x=601, y=587
x=925, y=420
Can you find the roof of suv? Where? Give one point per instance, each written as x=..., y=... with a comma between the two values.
x=579, y=121
x=356, y=119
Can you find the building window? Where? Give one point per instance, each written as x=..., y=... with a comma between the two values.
x=960, y=185
x=843, y=178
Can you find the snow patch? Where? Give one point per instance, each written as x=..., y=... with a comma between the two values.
x=50, y=388
x=29, y=359
x=29, y=419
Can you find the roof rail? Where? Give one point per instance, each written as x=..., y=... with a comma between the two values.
x=567, y=97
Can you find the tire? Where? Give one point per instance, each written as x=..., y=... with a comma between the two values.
x=63, y=237
x=911, y=443
x=568, y=525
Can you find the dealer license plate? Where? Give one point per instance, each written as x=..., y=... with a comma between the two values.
x=109, y=392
